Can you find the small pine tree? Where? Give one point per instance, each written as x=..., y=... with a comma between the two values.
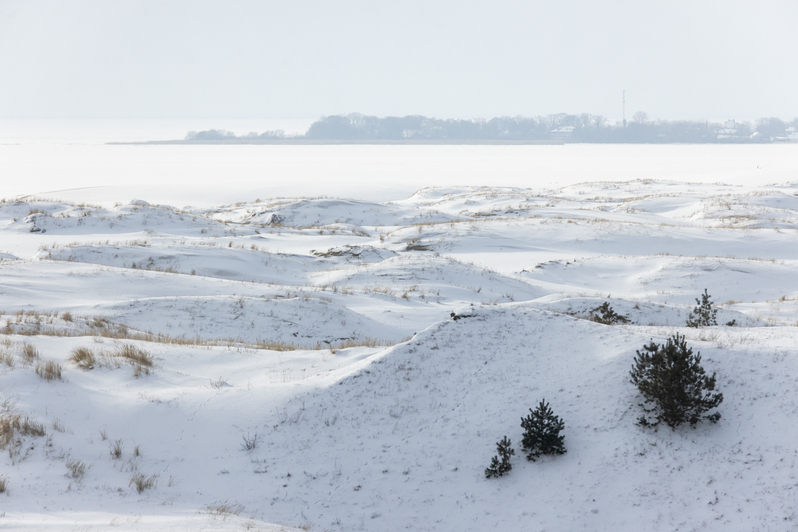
x=606, y=315
x=703, y=315
x=542, y=432
x=500, y=464
x=674, y=385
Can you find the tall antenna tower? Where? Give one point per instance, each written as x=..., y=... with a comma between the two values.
x=624, y=108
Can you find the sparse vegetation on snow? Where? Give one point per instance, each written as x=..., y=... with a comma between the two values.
x=331, y=364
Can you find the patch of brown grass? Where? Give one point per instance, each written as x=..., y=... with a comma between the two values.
x=77, y=469
x=83, y=357
x=143, y=482
x=127, y=354
x=29, y=353
x=223, y=510
x=134, y=355
x=49, y=370
x=116, y=449
x=104, y=328
x=12, y=424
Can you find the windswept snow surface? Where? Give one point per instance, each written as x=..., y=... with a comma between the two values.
x=295, y=363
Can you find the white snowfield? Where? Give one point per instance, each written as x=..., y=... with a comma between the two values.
x=295, y=363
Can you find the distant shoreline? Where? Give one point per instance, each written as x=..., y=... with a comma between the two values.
x=419, y=142
x=316, y=142
x=357, y=129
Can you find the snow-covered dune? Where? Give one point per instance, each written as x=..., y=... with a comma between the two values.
x=331, y=364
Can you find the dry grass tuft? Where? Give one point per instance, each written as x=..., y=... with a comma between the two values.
x=83, y=357
x=29, y=353
x=12, y=424
x=141, y=360
x=250, y=442
x=9, y=424
x=223, y=510
x=143, y=482
x=134, y=355
x=77, y=470
x=116, y=449
x=49, y=370
x=123, y=355
x=3, y=484
x=29, y=427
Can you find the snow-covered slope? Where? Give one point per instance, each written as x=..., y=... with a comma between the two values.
x=296, y=363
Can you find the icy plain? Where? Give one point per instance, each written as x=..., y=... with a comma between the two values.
x=294, y=362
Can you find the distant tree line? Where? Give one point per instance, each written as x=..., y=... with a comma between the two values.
x=221, y=134
x=562, y=126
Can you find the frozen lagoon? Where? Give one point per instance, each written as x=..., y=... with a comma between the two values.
x=53, y=160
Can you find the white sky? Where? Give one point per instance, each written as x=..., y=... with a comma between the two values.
x=304, y=59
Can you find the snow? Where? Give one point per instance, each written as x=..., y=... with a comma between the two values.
x=70, y=161
x=321, y=330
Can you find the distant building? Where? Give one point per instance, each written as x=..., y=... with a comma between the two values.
x=792, y=133
x=729, y=130
x=563, y=133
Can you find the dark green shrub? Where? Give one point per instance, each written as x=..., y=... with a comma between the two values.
x=703, y=315
x=500, y=464
x=606, y=315
x=542, y=432
x=674, y=385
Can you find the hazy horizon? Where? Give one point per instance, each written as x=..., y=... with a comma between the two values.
x=444, y=59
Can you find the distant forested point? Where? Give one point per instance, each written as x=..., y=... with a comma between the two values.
x=559, y=127
x=221, y=134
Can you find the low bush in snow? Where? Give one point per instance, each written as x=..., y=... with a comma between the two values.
x=500, y=464
x=703, y=315
x=542, y=432
x=606, y=315
x=675, y=387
